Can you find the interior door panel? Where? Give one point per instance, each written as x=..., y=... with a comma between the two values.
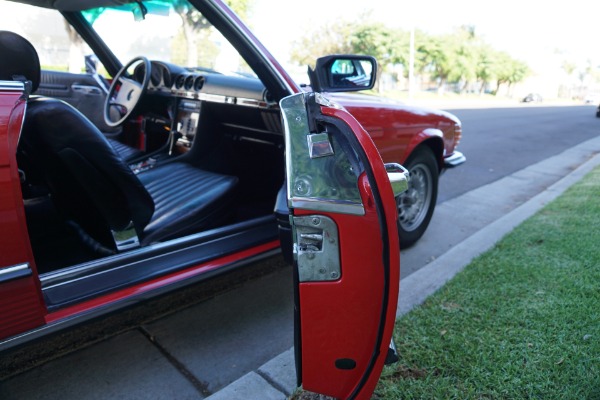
x=83, y=91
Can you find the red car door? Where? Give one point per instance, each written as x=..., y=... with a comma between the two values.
x=346, y=254
x=21, y=305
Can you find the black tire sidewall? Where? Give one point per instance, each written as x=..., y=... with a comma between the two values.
x=422, y=155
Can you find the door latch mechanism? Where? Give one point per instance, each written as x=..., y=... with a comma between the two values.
x=316, y=248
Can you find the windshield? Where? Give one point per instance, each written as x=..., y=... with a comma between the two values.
x=172, y=31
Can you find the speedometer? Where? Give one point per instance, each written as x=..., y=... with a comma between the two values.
x=156, y=75
x=166, y=75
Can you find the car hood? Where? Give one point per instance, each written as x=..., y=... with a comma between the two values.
x=359, y=100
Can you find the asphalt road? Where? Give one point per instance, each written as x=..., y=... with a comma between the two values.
x=202, y=347
x=500, y=141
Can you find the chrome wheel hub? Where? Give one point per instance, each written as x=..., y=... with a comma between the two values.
x=414, y=203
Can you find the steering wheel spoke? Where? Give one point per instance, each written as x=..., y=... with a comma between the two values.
x=125, y=93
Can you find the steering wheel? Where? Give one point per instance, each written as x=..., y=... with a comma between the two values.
x=125, y=93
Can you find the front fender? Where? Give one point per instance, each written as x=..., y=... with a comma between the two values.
x=431, y=137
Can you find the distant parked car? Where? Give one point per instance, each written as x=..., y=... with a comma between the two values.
x=532, y=98
x=591, y=99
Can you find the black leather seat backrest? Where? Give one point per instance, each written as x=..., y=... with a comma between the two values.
x=18, y=59
x=89, y=182
x=87, y=178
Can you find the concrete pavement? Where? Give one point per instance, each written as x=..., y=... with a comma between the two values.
x=171, y=358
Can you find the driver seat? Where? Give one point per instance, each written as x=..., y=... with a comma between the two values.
x=91, y=186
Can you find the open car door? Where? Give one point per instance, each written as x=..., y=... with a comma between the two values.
x=345, y=241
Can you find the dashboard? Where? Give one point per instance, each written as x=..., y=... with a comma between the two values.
x=206, y=85
x=241, y=104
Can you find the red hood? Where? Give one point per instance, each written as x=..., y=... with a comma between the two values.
x=354, y=100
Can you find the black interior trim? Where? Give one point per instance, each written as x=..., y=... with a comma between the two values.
x=83, y=282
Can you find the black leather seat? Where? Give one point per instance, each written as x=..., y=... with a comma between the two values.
x=126, y=152
x=91, y=185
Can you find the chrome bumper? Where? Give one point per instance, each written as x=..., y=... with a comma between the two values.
x=454, y=160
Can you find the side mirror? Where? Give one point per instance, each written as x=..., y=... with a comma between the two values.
x=91, y=64
x=343, y=73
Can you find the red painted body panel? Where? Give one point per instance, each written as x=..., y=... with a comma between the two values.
x=21, y=305
x=158, y=283
x=343, y=318
x=397, y=129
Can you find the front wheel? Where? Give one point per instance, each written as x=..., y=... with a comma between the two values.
x=416, y=205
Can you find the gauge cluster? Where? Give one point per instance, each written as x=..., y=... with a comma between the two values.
x=206, y=85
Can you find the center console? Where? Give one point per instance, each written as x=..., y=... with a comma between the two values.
x=186, y=124
x=181, y=136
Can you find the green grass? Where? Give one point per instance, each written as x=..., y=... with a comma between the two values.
x=522, y=321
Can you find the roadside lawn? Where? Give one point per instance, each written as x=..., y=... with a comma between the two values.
x=522, y=321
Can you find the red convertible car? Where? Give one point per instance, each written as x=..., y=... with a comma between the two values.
x=139, y=172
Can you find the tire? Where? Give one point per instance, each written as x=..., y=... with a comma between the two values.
x=416, y=205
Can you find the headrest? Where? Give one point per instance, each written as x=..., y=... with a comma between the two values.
x=18, y=59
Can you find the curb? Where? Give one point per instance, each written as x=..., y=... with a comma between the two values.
x=416, y=287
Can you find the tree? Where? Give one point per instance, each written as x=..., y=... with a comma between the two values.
x=364, y=37
x=519, y=71
x=386, y=45
x=464, y=69
x=439, y=56
x=486, y=63
x=509, y=71
x=193, y=22
x=76, y=61
x=459, y=57
x=569, y=67
x=453, y=57
x=329, y=39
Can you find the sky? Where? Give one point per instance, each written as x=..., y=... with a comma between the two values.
x=540, y=33
x=544, y=34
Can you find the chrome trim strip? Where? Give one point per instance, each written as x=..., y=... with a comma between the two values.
x=11, y=85
x=457, y=158
x=301, y=169
x=14, y=268
x=156, y=251
x=336, y=206
x=222, y=99
x=15, y=272
x=240, y=101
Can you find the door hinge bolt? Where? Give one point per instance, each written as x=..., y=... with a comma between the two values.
x=334, y=275
x=316, y=221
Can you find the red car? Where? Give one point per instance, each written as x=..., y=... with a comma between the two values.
x=131, y=180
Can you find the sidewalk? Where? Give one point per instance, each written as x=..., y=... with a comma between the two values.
x=276, y=378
